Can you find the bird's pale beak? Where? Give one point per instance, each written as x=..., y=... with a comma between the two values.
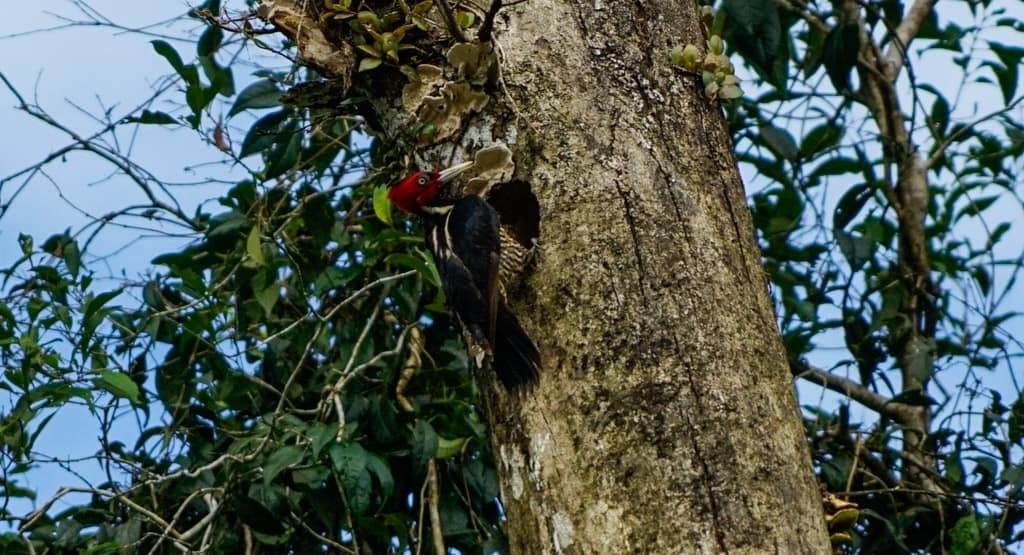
x=454, y=171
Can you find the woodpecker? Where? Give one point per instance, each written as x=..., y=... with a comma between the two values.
x=480, y=248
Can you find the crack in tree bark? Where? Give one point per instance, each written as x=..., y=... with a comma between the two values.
x=631, y=223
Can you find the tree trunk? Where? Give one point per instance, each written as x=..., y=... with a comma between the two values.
x=665, y=421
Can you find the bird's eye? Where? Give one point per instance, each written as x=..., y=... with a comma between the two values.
x=422, y=181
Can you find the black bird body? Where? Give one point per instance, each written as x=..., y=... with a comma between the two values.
x=465, y=235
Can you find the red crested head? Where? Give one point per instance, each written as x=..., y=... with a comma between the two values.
x=423, y=188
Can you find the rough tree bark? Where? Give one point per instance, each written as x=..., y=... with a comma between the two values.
x=665, y=421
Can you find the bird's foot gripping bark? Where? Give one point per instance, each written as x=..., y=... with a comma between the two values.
x=479, y=351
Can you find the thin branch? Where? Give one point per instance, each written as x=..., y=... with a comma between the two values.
x=449, y=20
x=851, y=389
x=435, y=515
x=484, y=34
x=960, y=131
x=412, y=363
x=906, y=32
x=155, y=518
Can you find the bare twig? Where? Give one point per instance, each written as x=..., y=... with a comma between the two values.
x=412, y=363
x=155, y=518
x=484, y=34
x=320, y=537
x=449, y=20
x=907, y=30
x=434, y=496
x=851, y=389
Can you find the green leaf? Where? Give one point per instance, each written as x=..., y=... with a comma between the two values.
x=261, y=94
x=976, y=206
x=842, y=45
x=283, y=156
x=197, y=99
x=954, y=466
x=72, y=256
x=209, y=41
x=228, y=226
x=187, y=72
x=366, y=64
x=260, y=509
x=914, y=397
x=119, y=384
x=312, y=477
x=263, y=134
x=26, y=243
x=779, y=141
x=1008, y=77
x=253, y=247
x=850, y=204
x=151, y=118
x=920, y=358
x=1015, y=422
x=348, y=458
x=965, y=536
x=222, y=81
x=940, y=115
x=350, y=462
x=464, y=18
x=757, y=32
x=424, y=444
x=423, y=267
x=279, y=460
x=820, y=139
x=855, y=248
x=382, y=205
x=96, y=303
x=268, y=297
x=378, y=466
x=450, y=447
x=1013, y=475
x=319, y=436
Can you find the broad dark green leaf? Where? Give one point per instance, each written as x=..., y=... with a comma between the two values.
x=940, y=115
x=779, y=141
x=820, y=140
x=1008, y=77
x=920, y=358
x=349, y=459
x=72, y=256
x=424, y=444
x=279, y=460
x=855, y=248
x=966, y=538
x=283, y=155
x=263, y=134
x=187, y=72
x=842, y=45
x=850, y=204
x=152, y=118
x=914, y=397
x=378, y=466
x=756, y=32
x=260, y=509
x=209, y=41
x=260, y=94
x=120, y=384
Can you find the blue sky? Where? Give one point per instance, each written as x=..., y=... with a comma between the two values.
x=76, y=74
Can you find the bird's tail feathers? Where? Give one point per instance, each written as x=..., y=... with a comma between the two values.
x=516, y=358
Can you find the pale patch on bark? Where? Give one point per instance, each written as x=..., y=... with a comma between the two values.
x=561, y=531
x=512, y=462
